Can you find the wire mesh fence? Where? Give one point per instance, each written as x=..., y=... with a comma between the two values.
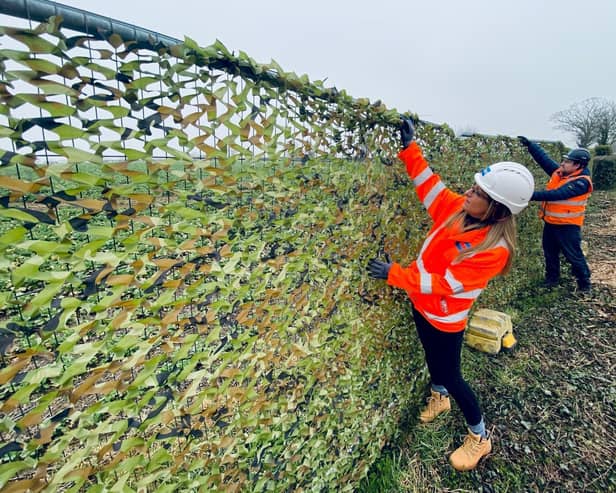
x=182, y=239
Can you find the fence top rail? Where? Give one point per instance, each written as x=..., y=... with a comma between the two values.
x=83, y=21
x=102, y=27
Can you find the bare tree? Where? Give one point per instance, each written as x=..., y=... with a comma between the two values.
x=592, y=120
x=606, y=124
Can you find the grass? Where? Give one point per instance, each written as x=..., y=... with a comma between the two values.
x=550, y=402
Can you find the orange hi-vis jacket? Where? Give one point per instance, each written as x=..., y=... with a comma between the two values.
x=568, y=211
x=441, y=288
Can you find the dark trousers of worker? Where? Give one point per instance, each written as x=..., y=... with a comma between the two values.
x=565, y=238
x=443, y=351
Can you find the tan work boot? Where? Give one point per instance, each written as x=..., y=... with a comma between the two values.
x=437, y=404
x=467, y=456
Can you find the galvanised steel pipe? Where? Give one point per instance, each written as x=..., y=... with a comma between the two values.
x=83, y=21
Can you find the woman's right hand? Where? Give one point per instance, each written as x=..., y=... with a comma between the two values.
x=379, y=269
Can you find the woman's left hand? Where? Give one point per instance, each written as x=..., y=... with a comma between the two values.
x=407, y=131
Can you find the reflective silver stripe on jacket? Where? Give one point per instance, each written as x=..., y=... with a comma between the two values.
x=458, y=287
x=468, y=295
x=569, y=202
x=431, y=195
x=425, y=278
x=422, y=177
x=425, y=281
x=563, y=214
x=455, y=285
x=448, y=319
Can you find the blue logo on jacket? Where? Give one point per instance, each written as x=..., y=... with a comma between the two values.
x=462, y=246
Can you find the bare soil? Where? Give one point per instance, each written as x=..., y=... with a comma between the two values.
x=600, y=231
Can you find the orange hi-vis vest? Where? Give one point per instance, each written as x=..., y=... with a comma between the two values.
x=442, y=288
x=568, y=211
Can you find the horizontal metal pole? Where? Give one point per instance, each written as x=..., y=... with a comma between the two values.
x=101, y=27
x=83, y=21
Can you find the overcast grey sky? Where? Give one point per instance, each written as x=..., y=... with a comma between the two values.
x=495, y=67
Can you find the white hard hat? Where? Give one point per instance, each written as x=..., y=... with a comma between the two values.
x=509, y=183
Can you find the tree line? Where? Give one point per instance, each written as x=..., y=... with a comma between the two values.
x=592, y=121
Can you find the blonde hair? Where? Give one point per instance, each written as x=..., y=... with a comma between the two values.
x=502, y=227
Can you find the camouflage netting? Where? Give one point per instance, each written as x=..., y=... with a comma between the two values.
x=183, y=235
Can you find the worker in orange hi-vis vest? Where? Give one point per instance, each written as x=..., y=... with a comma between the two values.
x=563, y=204
x=471, y=241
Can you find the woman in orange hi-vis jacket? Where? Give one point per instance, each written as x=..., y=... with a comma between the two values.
x=471, y=241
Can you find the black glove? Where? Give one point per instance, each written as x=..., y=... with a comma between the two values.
x=523, y=140
x=407, y=131
x=379, y=269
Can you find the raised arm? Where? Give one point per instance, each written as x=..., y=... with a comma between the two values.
x=430, y=189
x=540, y=156
x=571, y=189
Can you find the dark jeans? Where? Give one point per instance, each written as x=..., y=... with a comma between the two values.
x=442, y=351
x=565, y=238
